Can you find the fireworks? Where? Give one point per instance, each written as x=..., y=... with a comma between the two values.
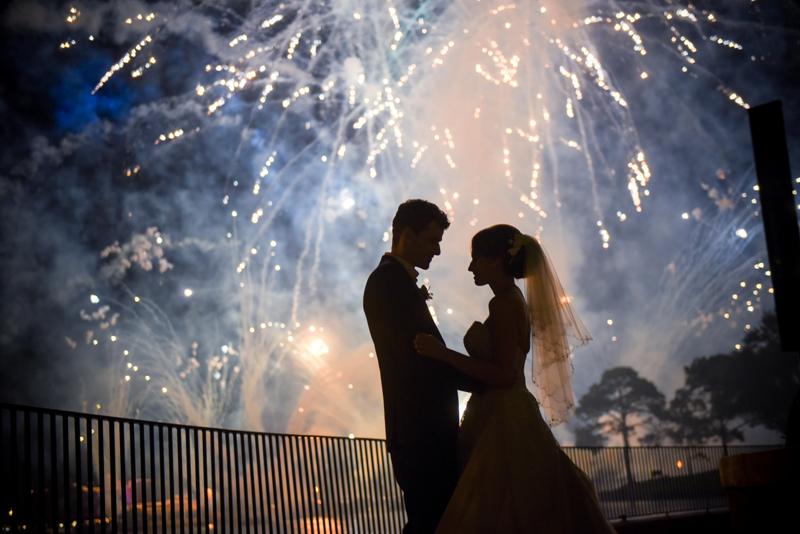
x=338, y=110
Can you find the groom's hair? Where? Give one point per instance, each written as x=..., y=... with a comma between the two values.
x=417, y=214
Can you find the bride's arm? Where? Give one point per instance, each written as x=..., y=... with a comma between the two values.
x=500, y=371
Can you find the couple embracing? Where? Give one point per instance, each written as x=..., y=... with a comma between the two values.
x=501, y=470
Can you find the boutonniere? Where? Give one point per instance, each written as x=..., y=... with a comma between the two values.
x=425, y=292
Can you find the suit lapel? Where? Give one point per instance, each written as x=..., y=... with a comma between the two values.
x=417, y=296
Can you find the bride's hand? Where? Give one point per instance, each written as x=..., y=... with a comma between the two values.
x=427, y=345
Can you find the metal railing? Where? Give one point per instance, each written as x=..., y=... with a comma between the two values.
x=63, y=471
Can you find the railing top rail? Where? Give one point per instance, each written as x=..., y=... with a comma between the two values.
x=56, y=411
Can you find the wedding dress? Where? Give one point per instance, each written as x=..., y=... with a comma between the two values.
x=515, y=476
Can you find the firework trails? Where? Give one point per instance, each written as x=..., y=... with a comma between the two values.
x=293, y=129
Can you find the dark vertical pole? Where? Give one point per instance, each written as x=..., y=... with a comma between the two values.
x=258, y=438
x=214, y=497
x=369, y=487
x=203, y=438
x=26, y=465
x=221, y=483
x=143, y=474
x=253, y=493
x=230, y=480
x=780, y=217
x=151, y=430
x=78, y=477
x=352, y=479
x=347, y=477
x=112, y=448
x=65, y=455
x=14, y=482
x=237, y=480
x=5, y=491
x=387, y=484
x=189, y=491
x=783, y=238
x=311, y=501
x=277, y=482
x=134, y=503
x=53, y=469
x=90, y=472
x=40, y=516
x=324, y=479
x=363, y=486
x=179, y=436
x=162, y=460
x=101, y=458
x=294, y=464
x=172, y=494
x=287, y=496
x=268, y=503
x=194, y=506
x=337, y=499
x=380, y=487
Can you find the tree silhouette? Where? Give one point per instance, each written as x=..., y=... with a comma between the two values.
x=623, y=403
x=709, y=405
x=725, y=392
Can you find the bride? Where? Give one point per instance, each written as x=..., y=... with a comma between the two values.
x=514, y=475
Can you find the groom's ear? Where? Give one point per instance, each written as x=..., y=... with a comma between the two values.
x=406, y=235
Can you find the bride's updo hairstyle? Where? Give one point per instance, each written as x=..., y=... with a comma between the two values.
x=496, y=242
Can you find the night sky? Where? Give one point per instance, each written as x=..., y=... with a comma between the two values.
x=225, y=247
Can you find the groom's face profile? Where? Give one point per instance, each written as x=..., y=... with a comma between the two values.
x=420, y=248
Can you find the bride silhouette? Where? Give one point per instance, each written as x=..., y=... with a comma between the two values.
x=514, y=475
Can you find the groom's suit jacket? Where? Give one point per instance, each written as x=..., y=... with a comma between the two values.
x=420, y=396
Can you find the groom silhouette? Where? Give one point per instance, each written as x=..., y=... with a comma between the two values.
x=420, y=397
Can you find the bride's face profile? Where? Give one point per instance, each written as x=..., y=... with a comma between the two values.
x=485, y=269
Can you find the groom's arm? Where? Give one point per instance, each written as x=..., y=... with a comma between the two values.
x=387, y=316
x=467, y=383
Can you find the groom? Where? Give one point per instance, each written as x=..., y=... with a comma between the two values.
x=420, y=396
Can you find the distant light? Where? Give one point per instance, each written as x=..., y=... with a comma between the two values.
x=318, y=347
x=741, y=232
x=351, y=436
x=685, y=216
x=94, y=299
x=188, y=292
x=164, y=390
x=679, y=464
x=610, y=322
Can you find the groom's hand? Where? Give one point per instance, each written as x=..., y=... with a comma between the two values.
x=427, y=345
